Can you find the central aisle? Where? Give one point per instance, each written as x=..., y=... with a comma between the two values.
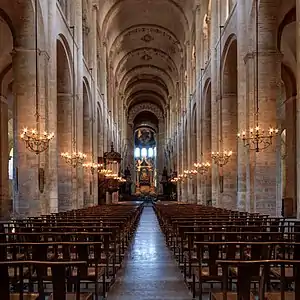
x=149, y=271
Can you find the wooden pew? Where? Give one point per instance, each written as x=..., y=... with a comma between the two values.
x=59, y=272
x=97, y=235
x=187, y=227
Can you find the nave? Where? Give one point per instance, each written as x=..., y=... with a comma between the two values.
x=149, y=271
x=224, y=254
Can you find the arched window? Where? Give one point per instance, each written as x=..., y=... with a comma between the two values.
x=11, y=165
x=64, y=7
x=137, y=152
x=144, y=152
x=150, y=152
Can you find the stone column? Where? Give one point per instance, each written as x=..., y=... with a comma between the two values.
x=242, y=153
x=229, y=128
x=65, y=171
x=94, y=100
x=78, y=180
x=265, y=180
x=4, y=186
x=160, y=153
x=290, y=151
x=27, y=202
x=214, y=92
x=298, y=107
x=53, y=156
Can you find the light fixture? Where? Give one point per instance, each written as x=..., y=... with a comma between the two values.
x=221, y=157
x=190, y=173
x=111, y=175
x=256, y=138
x=35, y=141
x=104, y=171
x=74, y=158
x=202, y=168
x=92, y=166
x=175, y=180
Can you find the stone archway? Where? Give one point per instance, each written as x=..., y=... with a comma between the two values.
x=7, y=120
x=207, y=140
x=194, y=153
x=17, y=63
x=229, y=124
x=64, y=125
x=286, y=44
x=136, y=109
x=87, y=143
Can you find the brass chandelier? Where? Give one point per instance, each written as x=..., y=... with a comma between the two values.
x=73, y=158
x=221, y=157
x=257, y=138
x=36, y=141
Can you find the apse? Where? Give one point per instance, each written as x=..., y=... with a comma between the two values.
x=145, y=153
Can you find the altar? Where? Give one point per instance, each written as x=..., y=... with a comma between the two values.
x=144, y=181
x=145, y=162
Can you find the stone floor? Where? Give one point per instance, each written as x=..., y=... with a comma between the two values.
x=149, y=271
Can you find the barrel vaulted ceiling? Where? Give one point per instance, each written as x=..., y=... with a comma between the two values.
x=145, y=44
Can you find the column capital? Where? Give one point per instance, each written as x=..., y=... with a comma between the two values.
x=17, y=50
x=3, y=99
x=95, y=7
x=266, y=53
x=198, y=8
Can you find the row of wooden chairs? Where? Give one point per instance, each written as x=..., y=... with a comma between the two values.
x=233, y=255
x=68, y=255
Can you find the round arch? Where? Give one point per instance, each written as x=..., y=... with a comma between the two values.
x=136, y=109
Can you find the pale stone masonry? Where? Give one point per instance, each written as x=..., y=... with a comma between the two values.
x=135, y=56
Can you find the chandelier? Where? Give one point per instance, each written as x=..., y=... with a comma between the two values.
x=190, y=173
x=221, y=158
x=256, y=138
x=104, y=171
x=175, y=180
x=202, y=168
x=35, y=141
x=121, y=179
x=92, y=166
x=75, y=159
x=181, y=177
x=111, y=175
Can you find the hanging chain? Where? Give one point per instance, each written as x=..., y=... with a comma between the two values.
x=37, y=116
x=73, y=124
x=220, y=92
x=257, y=108
x=201, y=103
